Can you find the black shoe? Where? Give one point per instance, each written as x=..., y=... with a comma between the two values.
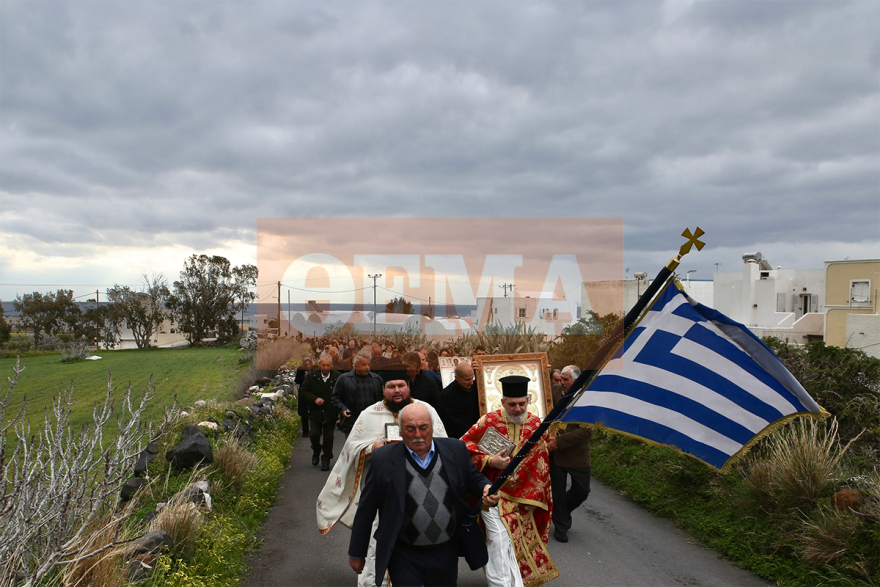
x=315, y=459
x=560, y=536
x=325, y=464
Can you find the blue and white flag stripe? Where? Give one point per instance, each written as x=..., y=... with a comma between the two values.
x=694, y=379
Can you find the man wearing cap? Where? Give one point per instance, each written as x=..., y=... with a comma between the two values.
x=518, y=529
x=340, y=496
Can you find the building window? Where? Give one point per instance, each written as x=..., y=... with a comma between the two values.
x=521, y=312
x=860, y=291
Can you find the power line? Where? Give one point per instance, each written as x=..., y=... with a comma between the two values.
x=403, y=294
x=322, y=291
x=58, y=285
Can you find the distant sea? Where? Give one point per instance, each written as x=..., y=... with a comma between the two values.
x=271, y=309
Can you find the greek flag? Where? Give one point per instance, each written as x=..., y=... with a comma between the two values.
x=691, y=378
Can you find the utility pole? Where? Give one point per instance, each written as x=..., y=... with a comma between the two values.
x=97, y=305
x=689, y=279
x=288, y=312
x=374, y=278
x=279, y=309
x=505, y=286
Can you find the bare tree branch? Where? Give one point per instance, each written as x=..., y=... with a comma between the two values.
x=58, y=483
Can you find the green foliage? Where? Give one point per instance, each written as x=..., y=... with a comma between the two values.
x=5, y=328
x=515, y=338
x=223, y=541
x=719, y=510
x=209, y=292
x=405, y=338
x=399, y=306
x=48, y=313
x=19, y=343
x=846, y=382
x=580, y=341
x=500, y=339
x=101, y=324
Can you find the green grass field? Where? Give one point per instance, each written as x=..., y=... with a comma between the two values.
x=191, y=373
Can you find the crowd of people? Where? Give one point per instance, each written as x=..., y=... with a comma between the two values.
x=413, y=465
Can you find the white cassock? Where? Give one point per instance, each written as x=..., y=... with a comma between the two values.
x=339, y=498
x=502, y=570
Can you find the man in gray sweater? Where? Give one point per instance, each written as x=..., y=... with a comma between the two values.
x=356, y=389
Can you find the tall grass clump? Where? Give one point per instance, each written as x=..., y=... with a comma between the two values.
x=234, y=462
x=181, y=520
x=105, y=568
x=75, y=351
x=272, y=355
x=798, y=466
x=827, y=535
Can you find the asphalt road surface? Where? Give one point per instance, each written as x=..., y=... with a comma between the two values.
x=613, y=543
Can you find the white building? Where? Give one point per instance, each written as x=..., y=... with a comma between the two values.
x=166, y=336
x=542, y=311
x=787, y=304
x=317, y=323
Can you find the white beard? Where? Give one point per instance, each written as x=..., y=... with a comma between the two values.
x=521, y=419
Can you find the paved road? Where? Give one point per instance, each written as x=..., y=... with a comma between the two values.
x=613, y=543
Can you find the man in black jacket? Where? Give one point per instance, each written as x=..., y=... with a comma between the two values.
x=459, y=405
x=302, y=408
x=315, y=392
x=419, y=489
x=421, y=385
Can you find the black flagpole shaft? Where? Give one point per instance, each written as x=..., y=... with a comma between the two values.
x=590, y=371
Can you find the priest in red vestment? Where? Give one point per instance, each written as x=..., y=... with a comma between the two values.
x=518, y=528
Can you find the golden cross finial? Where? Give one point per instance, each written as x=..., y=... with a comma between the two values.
x=692, y=241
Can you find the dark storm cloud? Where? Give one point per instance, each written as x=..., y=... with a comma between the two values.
x=150, y=122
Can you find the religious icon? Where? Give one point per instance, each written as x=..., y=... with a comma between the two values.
x=491, y=368
x=493, y=442
x=392, y=432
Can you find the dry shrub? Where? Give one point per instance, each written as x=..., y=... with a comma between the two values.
x=246, y=379
x=827, y=536
x=234, y=462
x=871, y=497
x=798, y=465
x=758, y=480
x=181, y=521
x=107, y=567
x=274, y=354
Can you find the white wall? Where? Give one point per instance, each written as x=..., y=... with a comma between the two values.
x=750, y=296
x=863, y=332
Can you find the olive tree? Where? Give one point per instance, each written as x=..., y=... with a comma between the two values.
x=48, y=313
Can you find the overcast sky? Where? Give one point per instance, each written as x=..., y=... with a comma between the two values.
x=133, y=134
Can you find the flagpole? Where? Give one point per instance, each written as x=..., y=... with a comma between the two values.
x=598, y=360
